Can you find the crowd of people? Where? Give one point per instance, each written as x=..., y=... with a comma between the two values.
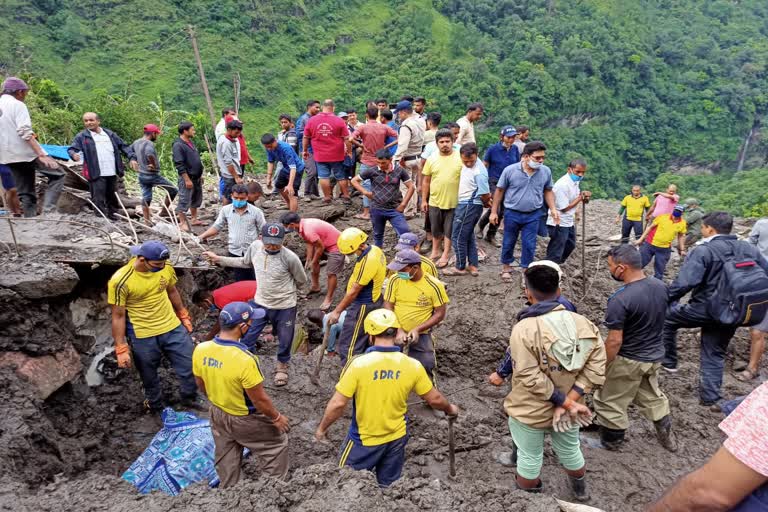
x=406, y=163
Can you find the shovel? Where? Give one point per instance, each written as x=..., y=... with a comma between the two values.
x=451, y=448
x=314, y=377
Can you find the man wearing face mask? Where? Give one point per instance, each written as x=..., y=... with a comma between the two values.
x=242, y=414
x=568, y=196
x=524, y=187
x=280, y=275
x=363, y=292
x=244, y=222
x=147, y=310
x=420, y=303
x=634, y=351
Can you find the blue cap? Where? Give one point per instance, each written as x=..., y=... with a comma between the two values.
x=508, y=131
x=236, y=313
x=272, y=234
x=404, y=105
x=407, y=241
x=151, y=250
x=403, y=259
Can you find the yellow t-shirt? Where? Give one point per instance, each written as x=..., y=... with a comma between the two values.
x=228, y=369
x=370, y=271
x=380, y=381
x=635, y=206
x=415, y=300
x=144, y=296
x=444, y=185
x=666, y=231
x=428, y=267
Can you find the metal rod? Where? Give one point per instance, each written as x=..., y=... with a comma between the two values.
x=13, y=235
x=583, y=247
x=451, y=447
x=130, y=222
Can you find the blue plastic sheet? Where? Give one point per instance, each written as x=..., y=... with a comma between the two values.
x=180, y=454
x=59, y=152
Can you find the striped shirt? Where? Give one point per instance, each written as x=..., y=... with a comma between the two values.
x=243, y=229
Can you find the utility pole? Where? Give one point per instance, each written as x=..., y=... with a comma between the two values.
x=236, y=84
x=193, y=38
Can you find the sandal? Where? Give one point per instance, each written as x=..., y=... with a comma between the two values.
x=747, y=375
x=281, y=377
x=506, y=277
x=362, y=217
x=453, y=271
x=441, y=263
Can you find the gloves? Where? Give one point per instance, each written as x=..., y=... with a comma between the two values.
x=186, y=320
x=123, y=353
x=571, y=415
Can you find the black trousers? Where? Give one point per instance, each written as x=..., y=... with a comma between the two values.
x=103, y=195
x=24, y=176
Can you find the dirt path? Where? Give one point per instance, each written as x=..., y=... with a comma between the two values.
x=66, y=453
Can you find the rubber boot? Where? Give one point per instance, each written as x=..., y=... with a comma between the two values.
x=612, y=439
x=579, y=488
x=533, y=490
x=664, y=433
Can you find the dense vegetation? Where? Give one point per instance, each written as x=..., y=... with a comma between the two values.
x=638, y=88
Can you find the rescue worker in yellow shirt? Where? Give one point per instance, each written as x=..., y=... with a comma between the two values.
x=379, y=383
x=413, y=241
x=656, y=242
x=631, y=213
x=363, y=292
x=420, y=303
x=148, y=313
x=242, y=415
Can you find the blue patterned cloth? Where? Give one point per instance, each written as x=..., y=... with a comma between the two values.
x=181, y=454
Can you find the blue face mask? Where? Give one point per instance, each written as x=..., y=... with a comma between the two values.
x=575, y=177
x=155, y=269
x=272, y=252
x=404, y=275
x=239, y=203
x=212, y=308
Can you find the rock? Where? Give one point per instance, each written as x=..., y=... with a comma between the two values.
x=45, y=373
x=44, y=280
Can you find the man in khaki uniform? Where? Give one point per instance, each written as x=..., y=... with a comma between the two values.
x=557, y=356
x=410, y=142
x=635, y=348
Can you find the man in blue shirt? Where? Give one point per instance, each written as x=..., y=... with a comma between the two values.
x=497, y=158
x=288, y=182
x=311, y=190
x=524, y=187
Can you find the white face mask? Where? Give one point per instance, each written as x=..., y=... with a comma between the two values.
x=533, y=164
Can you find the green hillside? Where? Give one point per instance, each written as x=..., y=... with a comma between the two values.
x=638, y=87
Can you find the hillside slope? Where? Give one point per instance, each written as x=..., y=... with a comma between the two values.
x=637, y=87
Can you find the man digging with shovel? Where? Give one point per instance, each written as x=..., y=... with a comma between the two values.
x=379, y=383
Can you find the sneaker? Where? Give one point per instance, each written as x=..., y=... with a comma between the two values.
x=713, y=406
x=669, y=369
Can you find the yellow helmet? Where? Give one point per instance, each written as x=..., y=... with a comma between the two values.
x=379, y=321
x=350, y=240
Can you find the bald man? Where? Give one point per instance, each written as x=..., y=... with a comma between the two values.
x=100, y=151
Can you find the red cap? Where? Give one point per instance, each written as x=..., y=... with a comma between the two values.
x=151, y=128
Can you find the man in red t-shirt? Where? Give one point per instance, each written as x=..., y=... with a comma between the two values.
x=328, y=135
x=212, y=300
x=371, y=136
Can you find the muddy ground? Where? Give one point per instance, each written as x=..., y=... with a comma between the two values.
x=67, y=452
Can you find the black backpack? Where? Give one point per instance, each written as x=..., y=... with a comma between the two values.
x=741, y=296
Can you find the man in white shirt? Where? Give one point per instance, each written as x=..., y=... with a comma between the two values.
x=221, y=126
x=467, y=123
x=20, y=151
x=523, y=134
x=568, y=195
x=100, y=151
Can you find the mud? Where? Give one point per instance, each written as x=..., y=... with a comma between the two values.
x=67, y=452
